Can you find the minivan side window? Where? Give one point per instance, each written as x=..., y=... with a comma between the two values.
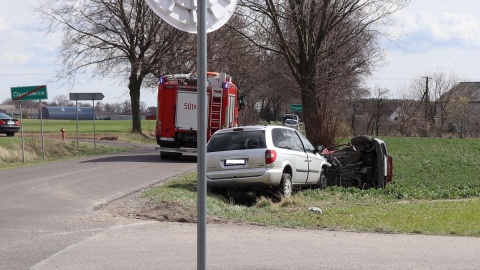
x=279, y=138
x=286, y=138
x=295, y=141
x=306, y=143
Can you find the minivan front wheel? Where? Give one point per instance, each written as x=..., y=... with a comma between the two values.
x=286, y=187
x=322, y=181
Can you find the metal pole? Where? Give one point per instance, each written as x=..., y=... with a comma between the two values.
x=94, y=135
x=41, y=128
x=201, y=136
x=21, y=127
x=76, y=123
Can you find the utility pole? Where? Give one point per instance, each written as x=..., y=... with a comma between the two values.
x=427, y=107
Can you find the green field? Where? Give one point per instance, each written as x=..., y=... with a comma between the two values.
x=435, y=168
x=84, y=126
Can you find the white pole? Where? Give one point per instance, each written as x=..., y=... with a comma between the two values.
x=201, y=137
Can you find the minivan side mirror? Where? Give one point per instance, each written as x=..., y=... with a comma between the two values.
x=319, y=149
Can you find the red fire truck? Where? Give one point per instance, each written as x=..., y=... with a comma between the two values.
x=176, y=126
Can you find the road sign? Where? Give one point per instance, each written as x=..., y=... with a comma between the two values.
x=183, y=14
x=296, y=107
x=86, y=96
x=29, y=92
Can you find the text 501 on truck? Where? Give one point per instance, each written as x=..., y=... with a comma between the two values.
x=176, y=126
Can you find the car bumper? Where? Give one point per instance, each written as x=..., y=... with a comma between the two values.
x=5, y=129
x=269, y=178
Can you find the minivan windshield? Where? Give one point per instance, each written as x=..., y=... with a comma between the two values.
x=237, y=140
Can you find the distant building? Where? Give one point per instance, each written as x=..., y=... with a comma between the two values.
x=7, y=108
x=68, y=113
x=469, y=90
x=457, y=109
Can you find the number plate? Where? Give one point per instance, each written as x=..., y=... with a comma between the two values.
x=10, y=122
x=233, y=162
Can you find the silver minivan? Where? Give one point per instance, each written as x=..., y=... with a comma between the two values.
x=273, y=158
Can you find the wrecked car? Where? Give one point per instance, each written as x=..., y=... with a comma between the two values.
x=362, y=163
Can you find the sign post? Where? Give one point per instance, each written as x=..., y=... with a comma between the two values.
x=92, y=97
x=181, y=15
x=30, y=93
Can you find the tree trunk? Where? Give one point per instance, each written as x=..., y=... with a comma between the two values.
x=319, y=128
x=134, y=87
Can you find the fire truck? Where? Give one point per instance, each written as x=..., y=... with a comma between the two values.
x=176, y=125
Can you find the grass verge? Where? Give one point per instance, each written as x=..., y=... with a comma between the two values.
x=12, y=154
x=343, y=209
x=436, y=190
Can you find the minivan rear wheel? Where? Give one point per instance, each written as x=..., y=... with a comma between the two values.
x=286, y=187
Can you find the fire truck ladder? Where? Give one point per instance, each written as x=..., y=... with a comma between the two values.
x=215, y=113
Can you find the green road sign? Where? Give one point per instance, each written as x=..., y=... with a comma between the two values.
x=29, y=92
x=296, y=107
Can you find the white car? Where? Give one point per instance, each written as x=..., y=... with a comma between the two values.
x=292, y=123
x=290, y=116
x=275, y=158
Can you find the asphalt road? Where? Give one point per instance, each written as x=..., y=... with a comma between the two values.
x=48, y=220
x=47, y=208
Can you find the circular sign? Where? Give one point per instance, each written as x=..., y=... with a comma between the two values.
x=182, y=14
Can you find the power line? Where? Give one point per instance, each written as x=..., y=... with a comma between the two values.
x=25, y=74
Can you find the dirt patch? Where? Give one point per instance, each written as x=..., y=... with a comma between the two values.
x=134, y=206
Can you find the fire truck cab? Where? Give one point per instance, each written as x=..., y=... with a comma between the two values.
x=176, y=125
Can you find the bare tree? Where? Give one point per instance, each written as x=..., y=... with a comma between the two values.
x=116, y=38
x=307, y=33
x=355, y=97
x=460, y=115
x=8, y=101
x=126, y=107
x=143, y=106
x=99, y=108
x=435, y=99
x=62, y=101
x=260, y=75
x=441, y=85
x=408, y=113
x=376, y=110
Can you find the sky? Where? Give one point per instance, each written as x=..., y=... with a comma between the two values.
x=435, y=36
